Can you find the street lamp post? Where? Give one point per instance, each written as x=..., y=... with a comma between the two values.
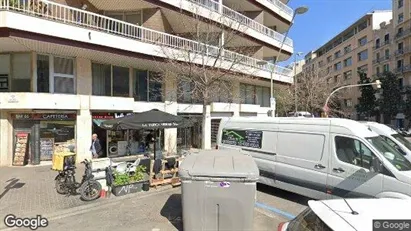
x=295, y=81
x=325, y=108
x=299, y=10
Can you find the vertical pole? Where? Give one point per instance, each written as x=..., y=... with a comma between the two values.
x=295, y=83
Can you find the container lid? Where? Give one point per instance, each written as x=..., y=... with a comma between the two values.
x=219, y=164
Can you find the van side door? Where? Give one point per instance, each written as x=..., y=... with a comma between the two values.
x=349, y=173
x=302, y=161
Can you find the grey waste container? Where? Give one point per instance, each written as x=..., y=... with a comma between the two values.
x=218, y=190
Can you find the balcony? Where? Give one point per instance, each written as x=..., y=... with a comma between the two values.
x=381, y=59
x=57, y=20
x=403, y=69
x=403, y=51
x=405, y=33
x=378, y=46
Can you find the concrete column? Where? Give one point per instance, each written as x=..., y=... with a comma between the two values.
x=236, y=97
x=170, y=96
x=206, y=141
x=220, y=10
x=33, y=71
x=83, y=76
x=83, y=134
x=6, y=136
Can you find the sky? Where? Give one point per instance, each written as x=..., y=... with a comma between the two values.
x=325, y=19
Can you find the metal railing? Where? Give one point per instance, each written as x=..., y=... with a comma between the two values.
x=403, y=51
x=240, y=18
x=73, y=16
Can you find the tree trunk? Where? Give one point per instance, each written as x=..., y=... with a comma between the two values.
x=205, y=141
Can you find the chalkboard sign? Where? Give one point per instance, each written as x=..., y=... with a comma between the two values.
x=46, y=148
x=244, y=138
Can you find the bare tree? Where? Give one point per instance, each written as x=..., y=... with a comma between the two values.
x=206, y=66
x=312, y=90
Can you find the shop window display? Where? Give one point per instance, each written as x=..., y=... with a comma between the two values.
x=58, y=134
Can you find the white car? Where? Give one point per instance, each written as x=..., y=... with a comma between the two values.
x=349, y=215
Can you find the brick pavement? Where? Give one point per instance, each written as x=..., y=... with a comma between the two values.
x=30, y=190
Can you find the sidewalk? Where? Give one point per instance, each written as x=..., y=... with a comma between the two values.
x=30, y=190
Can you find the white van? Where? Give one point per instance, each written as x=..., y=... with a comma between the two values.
x=320, y=158
x=391, y=136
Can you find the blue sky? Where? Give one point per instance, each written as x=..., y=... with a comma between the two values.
x=327, y=18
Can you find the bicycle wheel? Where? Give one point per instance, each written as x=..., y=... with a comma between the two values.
x=60, y=183
x=90, y=190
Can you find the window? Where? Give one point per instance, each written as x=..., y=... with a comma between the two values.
x=251, y=94
x=400, y=63
x=184, y=89
x=321, y=63
x=400, y=46
x=329, y=59
x=336, y=78
x=400, y=31
x=347, y=49
x=63, y=75
x=338, y=66
x=402, y=140
x=110, y=80
x=363, y=55
x=386, y=67
x=21, y=72
x=347, y=75
x=101, y=79
x=400, y=18
x=386, y=38
x=363, y=68
x=337, y=54
x=348, y=62
x=390, y=153
x=155, y=87
x=400, y=3
x=378, y=57
x=378, y=70
x=223, y=93
x=307, y=221
x=148, y=86
x=387, y=54
x=328, y=70
x=377, y=43
x=43, y=73
x=362, y=41
x=353, y=151
x=121, y=81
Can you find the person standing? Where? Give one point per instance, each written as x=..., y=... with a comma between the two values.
x=95, y=147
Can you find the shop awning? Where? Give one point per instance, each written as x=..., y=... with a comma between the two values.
x=153, y=119
x=98, y=122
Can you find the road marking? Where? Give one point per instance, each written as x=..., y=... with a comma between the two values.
x=275, y=210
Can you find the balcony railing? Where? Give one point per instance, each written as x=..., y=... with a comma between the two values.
x=402, y=34
x=70, y=15
x=240, y=18
x=383, y=44
x=403, y=51
x=403, y=69
x=381, y=59
x=282, y=6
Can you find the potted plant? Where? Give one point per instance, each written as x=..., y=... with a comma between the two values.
x=126, y=183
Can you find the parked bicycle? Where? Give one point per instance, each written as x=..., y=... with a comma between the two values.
x=88, y=188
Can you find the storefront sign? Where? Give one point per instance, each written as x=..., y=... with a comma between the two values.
x=109, y=115
x=38, y=116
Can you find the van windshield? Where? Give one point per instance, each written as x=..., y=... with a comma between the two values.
x=402, y=140
x=390, y=153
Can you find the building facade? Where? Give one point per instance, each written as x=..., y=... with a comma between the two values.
x=65, y=66
x=344, y=55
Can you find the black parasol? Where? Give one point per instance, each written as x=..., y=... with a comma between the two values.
x=153, y=119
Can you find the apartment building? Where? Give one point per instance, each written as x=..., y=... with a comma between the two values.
x=68, y=65
x=344, y=55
